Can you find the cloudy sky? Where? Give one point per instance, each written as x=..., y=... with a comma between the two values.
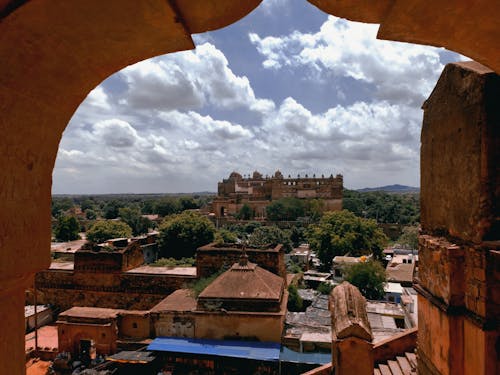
x=287, y=88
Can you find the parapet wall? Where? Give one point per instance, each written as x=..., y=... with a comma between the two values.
x=210, y=259
x=113, y=261
x=119, y=291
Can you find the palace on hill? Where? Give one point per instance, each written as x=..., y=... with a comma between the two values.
x=257, y=191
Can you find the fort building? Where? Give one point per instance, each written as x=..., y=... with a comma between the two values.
x=258, y=191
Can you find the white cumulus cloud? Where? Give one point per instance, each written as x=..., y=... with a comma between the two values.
x=399, y=71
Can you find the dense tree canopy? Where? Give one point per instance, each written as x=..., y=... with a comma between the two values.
x=59, y=205
x=134, y=219
x=67, y=228
x=369, y=277
x=111, y=209
x=108, y=205
x=291, y=209
x=409, y=237
x=285, y=209
x=225, y=236
x=107, y=229
x=167, y=206
x=182, y=234
x=245, y=213
x=270, y=236
x=383, y=207
x=342, y=232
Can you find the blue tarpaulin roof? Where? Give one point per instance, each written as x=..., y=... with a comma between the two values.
x=256, y=350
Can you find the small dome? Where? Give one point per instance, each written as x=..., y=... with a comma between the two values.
x=278, y=174
x=235, y=176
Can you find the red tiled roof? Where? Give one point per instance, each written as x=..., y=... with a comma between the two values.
x=180, y=300
x=245, y=281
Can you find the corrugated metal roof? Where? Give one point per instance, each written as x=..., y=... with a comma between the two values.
x=288, y=355
x=132, y=357
x=262, y=351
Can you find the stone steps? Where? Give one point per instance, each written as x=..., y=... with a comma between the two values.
x=401, y=365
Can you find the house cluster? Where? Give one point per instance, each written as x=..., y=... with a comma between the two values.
x=113, y=303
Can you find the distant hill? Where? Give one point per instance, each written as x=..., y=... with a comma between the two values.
x=392, y=189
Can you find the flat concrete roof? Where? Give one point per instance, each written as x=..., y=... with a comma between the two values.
x=90, y=312
x=177, y=271
x=68, y=247
x=384, y=308
x=67, y=266
x=325, y=337
x=393, y=288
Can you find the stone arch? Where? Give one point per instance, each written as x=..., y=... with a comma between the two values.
x=54, y=52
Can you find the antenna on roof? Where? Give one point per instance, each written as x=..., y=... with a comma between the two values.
x=244, y=257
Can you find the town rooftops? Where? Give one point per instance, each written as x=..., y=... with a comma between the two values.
x=402, y=273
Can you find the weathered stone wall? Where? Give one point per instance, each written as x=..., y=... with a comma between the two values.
x=440, y=340
x=460, y=178
x=98, y=261
x=103, y=335
x=134, y=325
x=459, y=262
x=222, y=325
x=67, y=298
x=441, y=270
x=120, y=291
x=109, y=261
x=210, y=259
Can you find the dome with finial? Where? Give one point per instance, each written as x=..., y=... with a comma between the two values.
x=235, y=176
x=278, y=174
x=257, y=175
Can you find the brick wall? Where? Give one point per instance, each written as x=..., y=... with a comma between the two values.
x=120, y=291
x=210, y=259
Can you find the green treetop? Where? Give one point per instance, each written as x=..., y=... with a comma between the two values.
x=270, y=236
x=342, y=232
x=369, y=277
x=182, y=234
x=67, y=228
x=133, y=218
x=107, y=229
